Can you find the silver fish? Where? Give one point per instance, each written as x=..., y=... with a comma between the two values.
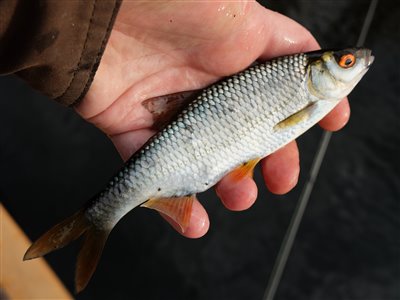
x=227, y=128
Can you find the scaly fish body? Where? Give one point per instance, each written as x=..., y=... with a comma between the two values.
x=228, y=124
x=242, y=118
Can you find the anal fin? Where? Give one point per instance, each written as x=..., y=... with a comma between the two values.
x=177, y=208
x=245, y=170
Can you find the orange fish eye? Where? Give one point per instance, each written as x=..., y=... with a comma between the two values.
x=347, y=60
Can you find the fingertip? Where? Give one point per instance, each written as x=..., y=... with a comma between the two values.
x=199, y=222
x=281, y=169
x=338, y=117
x=237, y=195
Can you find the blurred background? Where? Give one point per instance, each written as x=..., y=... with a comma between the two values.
x=348, y=245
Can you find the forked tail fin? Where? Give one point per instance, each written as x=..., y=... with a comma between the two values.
x=59, y=236
x=64, y=233
x=89, y=256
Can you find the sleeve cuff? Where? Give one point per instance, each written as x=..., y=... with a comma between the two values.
x=55, y=46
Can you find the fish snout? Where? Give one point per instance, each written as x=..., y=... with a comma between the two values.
x=366, y=55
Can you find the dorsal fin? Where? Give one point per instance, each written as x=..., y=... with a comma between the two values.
x=165, y=108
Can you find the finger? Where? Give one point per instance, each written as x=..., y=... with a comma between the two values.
x=237, y=195
x=281, y=169
x=199, y=222
x=338, y=117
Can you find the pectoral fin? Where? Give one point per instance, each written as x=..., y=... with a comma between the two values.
x=177, y=208
x=295, y=119
x=245, y=170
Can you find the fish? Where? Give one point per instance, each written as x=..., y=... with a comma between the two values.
x=225, y=128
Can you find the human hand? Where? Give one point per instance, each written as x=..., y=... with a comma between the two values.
x=159, y=48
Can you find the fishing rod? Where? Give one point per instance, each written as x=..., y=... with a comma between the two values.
x=288, y=240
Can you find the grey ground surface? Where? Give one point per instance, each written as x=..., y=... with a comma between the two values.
x=348, y=246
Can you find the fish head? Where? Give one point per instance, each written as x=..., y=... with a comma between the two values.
x=333, y=74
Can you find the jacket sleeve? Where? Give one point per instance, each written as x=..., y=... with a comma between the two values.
x=55, y=46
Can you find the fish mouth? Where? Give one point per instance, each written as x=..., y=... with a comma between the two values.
x=366, y=55
x=370, y=59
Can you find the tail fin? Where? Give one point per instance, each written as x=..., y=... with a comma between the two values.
x=66, y=232
x=89, y=256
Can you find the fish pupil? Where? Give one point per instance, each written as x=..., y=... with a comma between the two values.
x=348, y=61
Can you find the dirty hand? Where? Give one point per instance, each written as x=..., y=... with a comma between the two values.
x=166, y=47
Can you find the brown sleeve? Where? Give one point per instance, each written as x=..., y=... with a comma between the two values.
x=55, y=45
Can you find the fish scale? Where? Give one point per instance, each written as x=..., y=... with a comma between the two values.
x=240, y=112
x=227, y=128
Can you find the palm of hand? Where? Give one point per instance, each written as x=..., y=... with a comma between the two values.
x=166, y=47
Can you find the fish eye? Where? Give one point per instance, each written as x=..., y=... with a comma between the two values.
x=347, y=60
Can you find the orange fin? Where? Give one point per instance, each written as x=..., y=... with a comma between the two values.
x=245, y=170
x=177, y=208
x=165, y=108
x=89, y=256
x=59, y=236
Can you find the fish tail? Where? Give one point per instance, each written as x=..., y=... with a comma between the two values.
x=66, y=232
x=89, y=256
